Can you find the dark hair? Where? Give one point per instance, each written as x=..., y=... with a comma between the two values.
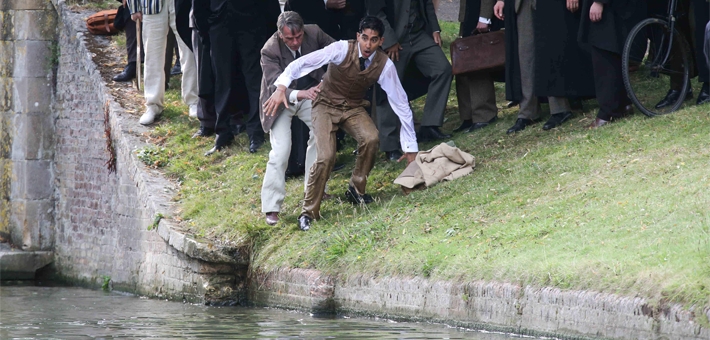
x=372, y=23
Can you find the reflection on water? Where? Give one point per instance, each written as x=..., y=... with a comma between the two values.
x=71, y=313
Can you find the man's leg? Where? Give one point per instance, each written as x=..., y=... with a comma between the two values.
x=155, y=32
x=273, y=190
x=433, y=64
x=205, y=110
x=305, y=114
x=529, y=107
x=702, y=16
x=358, y=124
x=189, y=68
x=224, y=70
x=324, y=130
x=249, y=45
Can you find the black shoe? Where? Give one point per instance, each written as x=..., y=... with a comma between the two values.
x=478, y=126
x=222, y=141
x=203, y=132
x=238, y=128
x=519, y=125
x=512, y=103
x=672, y=97
x=428, y=133
x=465, y=125
x=393, y=155
x=356, y=198
x=128, y=73
x=304, y=222
x=177, y=69
x=255, y=143
x=556, y=120
x=704, y=96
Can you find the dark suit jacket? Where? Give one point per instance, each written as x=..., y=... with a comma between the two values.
x=395, y=15
x=275, y=56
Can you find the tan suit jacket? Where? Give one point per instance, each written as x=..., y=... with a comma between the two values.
x=275, y=56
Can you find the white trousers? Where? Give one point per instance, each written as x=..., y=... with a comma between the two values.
x=273, y=191
x=155, y=36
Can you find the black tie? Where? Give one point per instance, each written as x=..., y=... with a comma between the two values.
x=303, y=82
x=362, y=63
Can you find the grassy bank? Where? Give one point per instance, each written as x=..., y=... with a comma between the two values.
x=623, y=209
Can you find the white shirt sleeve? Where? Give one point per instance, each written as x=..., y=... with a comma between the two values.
x=293, y=97
x=484, y=20
x=400, y=104
x=333, y=53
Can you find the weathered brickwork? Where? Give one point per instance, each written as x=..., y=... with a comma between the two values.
x=102, y=218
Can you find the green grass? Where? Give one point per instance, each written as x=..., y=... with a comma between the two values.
x=622, y=209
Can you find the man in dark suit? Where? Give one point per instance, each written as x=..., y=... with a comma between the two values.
x=292, y=41
x=412, y=38
x=237, y=30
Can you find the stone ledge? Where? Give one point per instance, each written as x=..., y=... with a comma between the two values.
x=203, y=251
x=22, y=265
x=503, y=307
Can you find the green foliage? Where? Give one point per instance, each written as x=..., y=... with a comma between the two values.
x=153, y=156
x=621, y=209
x=106, y=286
x=156, y=221
x=54, y=54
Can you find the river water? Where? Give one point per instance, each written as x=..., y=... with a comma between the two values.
x=75, y=313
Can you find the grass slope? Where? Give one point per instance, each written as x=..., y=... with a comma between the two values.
x=623, y=209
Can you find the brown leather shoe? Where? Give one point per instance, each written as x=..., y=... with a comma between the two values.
x=597, y=123
x=272, y=218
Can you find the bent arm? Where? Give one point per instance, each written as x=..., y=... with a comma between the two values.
x=333, y=53
x=389, y=81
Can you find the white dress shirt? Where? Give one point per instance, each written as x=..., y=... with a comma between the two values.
x=389, y=81
x=293, y=97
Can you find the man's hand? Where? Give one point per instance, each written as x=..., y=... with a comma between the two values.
x=482, y=27
x=276, y=99
x=498, y=9
x=409, y=156
x=137, y=16
x=595, y=13
x=393, y=51
x=311, y=93
x=335, y=4
x=572, y=5
x=437, y=38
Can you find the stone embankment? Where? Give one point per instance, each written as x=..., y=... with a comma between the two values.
x=103, y=222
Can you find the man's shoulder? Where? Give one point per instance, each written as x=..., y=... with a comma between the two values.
x=272, y=44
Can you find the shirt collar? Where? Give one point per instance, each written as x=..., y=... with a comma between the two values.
x=359, y=52
x=293, y=53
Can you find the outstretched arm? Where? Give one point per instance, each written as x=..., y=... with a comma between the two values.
x=389, y=81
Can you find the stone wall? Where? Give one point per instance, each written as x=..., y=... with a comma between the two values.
x=27, y=60
x=501, y=307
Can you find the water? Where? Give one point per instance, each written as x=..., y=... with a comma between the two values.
x=74, y=313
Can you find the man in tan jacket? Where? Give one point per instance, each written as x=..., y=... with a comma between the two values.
x=292, y=40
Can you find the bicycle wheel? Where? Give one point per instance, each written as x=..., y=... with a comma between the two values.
x=652, y=63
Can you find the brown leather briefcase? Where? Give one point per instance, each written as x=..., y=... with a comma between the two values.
x=478, y=52
x=101, y=23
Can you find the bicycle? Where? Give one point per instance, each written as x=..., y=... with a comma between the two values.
x=656, y=55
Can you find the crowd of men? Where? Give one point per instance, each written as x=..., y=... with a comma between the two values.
x=353, y=66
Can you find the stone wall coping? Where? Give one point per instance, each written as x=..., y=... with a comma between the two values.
x=156, y=190
x=491, y=306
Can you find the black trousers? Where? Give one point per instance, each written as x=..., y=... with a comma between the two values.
x=205, y=111
x=237, y=77
x=609, y=84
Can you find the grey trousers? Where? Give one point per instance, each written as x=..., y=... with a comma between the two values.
x=529, y=106
x=429, y=58
x=477, y=97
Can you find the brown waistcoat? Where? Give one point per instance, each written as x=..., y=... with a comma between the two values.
x=345, y=85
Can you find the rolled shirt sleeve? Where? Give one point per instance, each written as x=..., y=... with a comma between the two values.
x=389, y=81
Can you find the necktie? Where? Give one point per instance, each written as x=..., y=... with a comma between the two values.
x=362, y=63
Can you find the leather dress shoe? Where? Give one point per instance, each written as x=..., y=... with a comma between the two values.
x=672, y=97
x=428, y=133
x=272, y=218
x=512, y=103
x=255, y=143
x=356, y=198
x=556, y=120
x=704, y=95
x=128, y=73
x=203, y=132
x=238, y=128
x=465, y=125
x=222, y=141
x=519, y=125
x=393, y=155
x=304, y=222
x=598, y=122
x=481, y=125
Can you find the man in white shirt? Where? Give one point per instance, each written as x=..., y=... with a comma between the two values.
x=292, y=41
x=354, y=67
